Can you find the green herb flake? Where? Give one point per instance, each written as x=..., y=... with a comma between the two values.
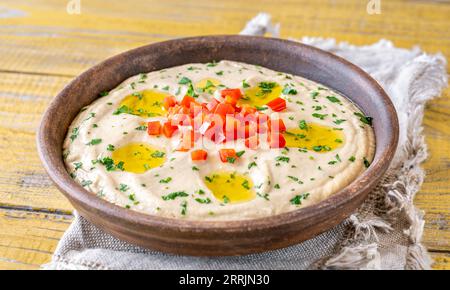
x=282, y=159
x=184, y=81
x=365, y=119
x=158, y=154
x=174, y=195
x=298, y=199
x=94, y=142
x=203, y=200
x=123, y=187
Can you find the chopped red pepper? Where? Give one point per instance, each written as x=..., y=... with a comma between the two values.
x=276, y=140
x=168, y=130
x=186, y=102
x=223, y=110
x=154, y=128
x=228, y=155
x=199, y=155
x=277, y=104
x=246, y=109
x=169, y=102
x=252, y=142
x=234, y=93
x=277, y=126
x=211, y=106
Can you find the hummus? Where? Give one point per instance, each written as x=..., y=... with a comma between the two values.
x=148, y=145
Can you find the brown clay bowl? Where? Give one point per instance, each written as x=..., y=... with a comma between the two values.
x=232, y=237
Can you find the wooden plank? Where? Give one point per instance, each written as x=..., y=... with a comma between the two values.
x=24, y=183
x=42, y=37
x=441, y=261
x=28, y=239
x=433, y=197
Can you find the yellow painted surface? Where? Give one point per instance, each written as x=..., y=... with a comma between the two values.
x=42, y=48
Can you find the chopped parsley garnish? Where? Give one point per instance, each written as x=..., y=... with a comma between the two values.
x=293, y=178
x=183, y=207
x=245, y=184
x=85, y=183
x=167, y=180
x=78, y=165
x=225, y=199
x=203, y=200
x=276, y=186
x=123, y=187
x=352, y=159
x=108, y=162
x=74, y=135
x=158, y=154
x=173, y=195
x=245, y=85
x=252, y=164
x=365, y=119
x=231, y=159
x=141, y=128
x=191, y=92
x=110, y=147
x=139, y=95
x=209, y=179
x=298, y=199
x=184, y=81
x=302, y=125
x=94, y=142
x=195, y=168
x=282, y=158
x=366, y=162
x=265, y=195
x=314, y=94
x=240, y=153
x=289, y=91
x=123, y=110
x=267, y=87
x=104, y=94
x=212, y=64
x=319, y=116
x=333, y=99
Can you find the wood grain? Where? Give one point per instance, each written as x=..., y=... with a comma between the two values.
x=40, y=39
x=28, y=239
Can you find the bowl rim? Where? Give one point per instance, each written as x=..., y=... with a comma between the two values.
x=74, y=191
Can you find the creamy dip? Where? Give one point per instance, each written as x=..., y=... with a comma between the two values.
x=113, y=151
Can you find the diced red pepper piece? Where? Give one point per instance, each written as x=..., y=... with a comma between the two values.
x=154, y=128
x=168, y=129
x=199, y=155
x=252, y=142
x=233, y=93
x=228, y=155
x=169, y=102
x=186, y=102
x=276, y=126
x=247, y=109
x=277, y=104
x=224, y=109
x=231, y=128
x=211, y=106
x=276, y=140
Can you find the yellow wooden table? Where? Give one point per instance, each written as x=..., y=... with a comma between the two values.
x=42, y=47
